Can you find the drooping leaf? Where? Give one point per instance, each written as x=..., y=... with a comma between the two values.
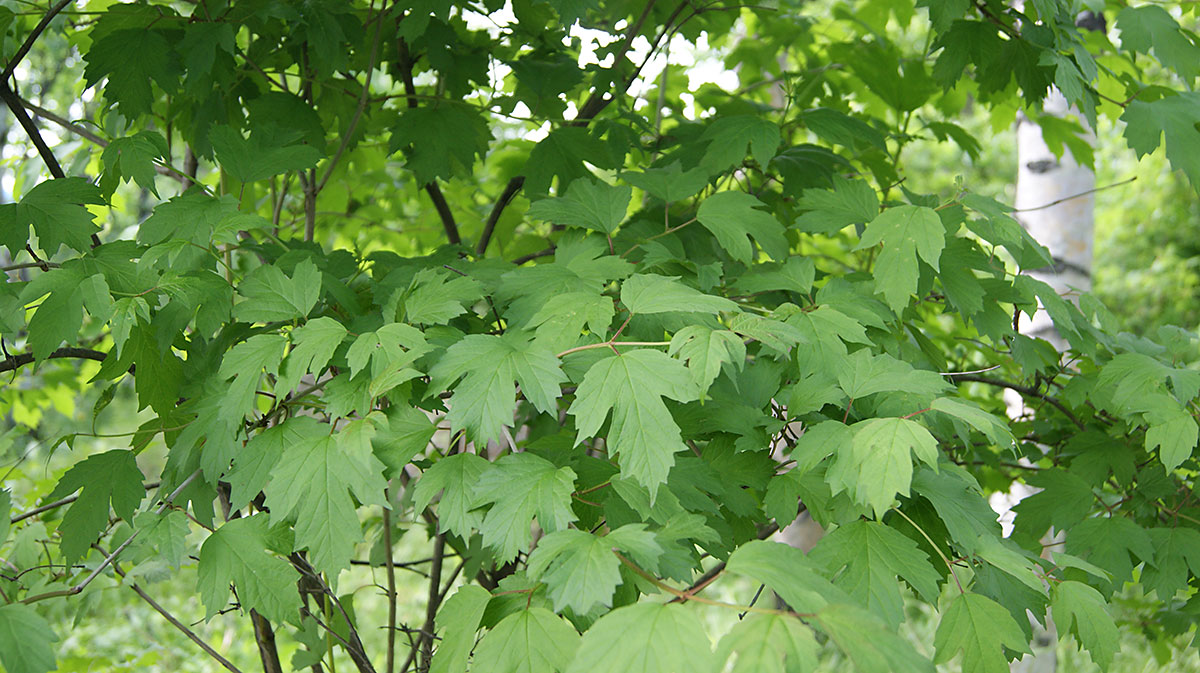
x=25, y=640
x=237, y=553
x=258, y=158
x=706, y=351
x=457, y=621
x=868, y=643
x=109, y=478
x=1081, y=611
x=877, y=466
x=980, y=629
x=644, y=638
x=731, y=138
x=906, y=232
x=455, y=477
x=769, y=644
x=733, y=217
x=642, y=432
x=440, y=140
x=57, y=210
x=670, y=183
x=580, y=567
x=529, y=641
x=588, y=203
x=485, y=400
x=545, y=492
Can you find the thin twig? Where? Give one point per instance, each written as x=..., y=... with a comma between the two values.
x=510, y=191
x=60, y=503
x=435, y=592
x=1025, y=390
x=22, y=359
x=391, y=590
x=1074, y=196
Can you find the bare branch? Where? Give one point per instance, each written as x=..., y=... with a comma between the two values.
x=22, y=359
x=510, y=191
x=33, y=36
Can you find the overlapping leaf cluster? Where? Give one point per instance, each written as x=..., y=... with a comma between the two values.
x=601, y=364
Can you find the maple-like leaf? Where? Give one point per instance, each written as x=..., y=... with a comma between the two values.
x=734, y=216
x=670, y=183
x=1176, y=552
x=1173, y=116
x=390, y=348
x=406, y=433
x=436, y=297
x=561, y=154
x=867, y=557
x=109, y=477
x=788, y=572
x=644, y=638
x=313, y=344
x=272, y=296
x=829, y=210
x=868, y=642
x=237, y=553
x=457, y=622
x=455, y=478
x=260, y=156
x=1081, y=611
x=980, y=628
x=769, y=644
x=545, y=492
x=484, y=401
x=647, y=293
x=957, y=498
x=534, y=640
x=729, y=138
x=642, y=432
x=795, y=274
x=562, y=318
x=244, y=363
x=580, y=567
x=132, y=59
x=1174, y=432
x=865, y=374
x=877, y=465
x=588, y=203
x=440, y=140
x=25, y=640
x=133, y=157
x=907, y=232
x=1150, y=27
x=58, y=213
x=312, y=483
x=706, y=351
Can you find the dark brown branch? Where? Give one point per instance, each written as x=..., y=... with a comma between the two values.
x=435, y=593
x=61, y=503
x=432, y=188
x=534, y=255
x=1026, y=391
x=596, y=103
x=23, y=359
x=265, y=637
x=33, y=36
x=353, y=643
x=391, y=589
x=510, y=191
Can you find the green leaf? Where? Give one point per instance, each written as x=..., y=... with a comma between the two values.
x=485, y=400
x=270, y=296
x=796, y=274
x=959, y=502
x=768, y=644
x=132, y=157
x=313, y=344
x=730, y=137
x=864, y=374
x=670, y=183
x=1112, y=543
x=237, y=553
x=1173, y=116
x=561, y=320
x=642, y=433
x=25, y=639
x=1173, y=431
x=106, y=478
x=440, y=140
x=457, y=621
x=57, y=211
x=545, y=492
x=389, y=348
x=644, y=638
x=5, y=517
x=1010, y=560
x=840, y=128
x=588, y=203
x=734, y=216
x=906, y=232
x=561, y=154
x=706, y=351
x=131, y=60
x=312, y=483
x=252, y=464
x=245, y=363
x=580, y=567
x=868, y=643
x=867, y=557
x=1176, y=551
x=980, y=628
x=436, y=297
x=528, y=641
x=849, y=202
x=259, y=157
x=877, y=466
x=646, y=293
x=1150, y=27
x=455, y=476
x=996, y=430
x=788, y=572
x=408, y=433
x=1081, y=611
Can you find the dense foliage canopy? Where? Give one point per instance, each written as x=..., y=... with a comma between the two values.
x=326, y=292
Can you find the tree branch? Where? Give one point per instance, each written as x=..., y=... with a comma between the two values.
x=33, y=36
x=510, y=191
x=391, y=590
x=1026, y=391
x=63, y=502
x=435, y=588
x=265, y=637
x=22, y=359
x=432, y=188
